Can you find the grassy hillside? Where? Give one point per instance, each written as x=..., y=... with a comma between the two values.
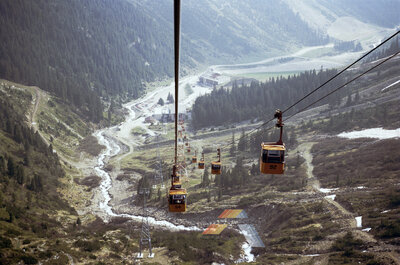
x=30, y=174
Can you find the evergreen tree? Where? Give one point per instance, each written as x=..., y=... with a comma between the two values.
x=357, y=97
x=161, y=102
x=10, y=167
x=219, y=193
x=20, y=174
x=36, y=183
x=254, y=170
x=206, y=178
x=26, y=159
x=348, y=102
x=170, y=98
x=2, y=165
x=233, y=145
x=242, y=145
x=159, y=194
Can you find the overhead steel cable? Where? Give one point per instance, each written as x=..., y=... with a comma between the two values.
x=345, y=84
x=177, y=24
x=339, y=73
x=329, y=80
x=318, y=100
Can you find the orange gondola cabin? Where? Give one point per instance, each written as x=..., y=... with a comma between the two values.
x=194, y=158
x=216, y=165
x=201, y=162
x=272, y=160
x=177, y=200
x=176, y=194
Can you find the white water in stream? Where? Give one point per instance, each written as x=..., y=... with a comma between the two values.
x=112, y=149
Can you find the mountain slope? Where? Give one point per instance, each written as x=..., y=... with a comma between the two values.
x=81, y=49
x=225, y=31
x=84, y=50
x=349, y=20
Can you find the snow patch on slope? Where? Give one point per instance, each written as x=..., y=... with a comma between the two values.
x=349, y=28
x=378, y=133
x=312, y=12
x=338, y=24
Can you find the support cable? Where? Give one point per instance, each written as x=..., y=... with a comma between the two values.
x=177, y=24
x=339, y=73
x=323, y=97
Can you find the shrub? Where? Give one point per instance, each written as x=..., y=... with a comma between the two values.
x=5, y=242
x=347, y=244
x=27, y=259
x=88, y=246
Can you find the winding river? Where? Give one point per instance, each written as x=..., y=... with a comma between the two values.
x=112, y=149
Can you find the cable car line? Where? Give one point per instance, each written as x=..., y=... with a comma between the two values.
x=326, y=82
x=272, y=154
x=339, y=73
x=272, y=159
x=176, y=194
x=345, y=84
x=177, y=23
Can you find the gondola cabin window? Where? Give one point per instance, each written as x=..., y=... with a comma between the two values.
x=216, y=166
x=177, y=199
x=273, y=156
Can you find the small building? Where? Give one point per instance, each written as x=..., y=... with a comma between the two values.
x=150, y=119
x=168, y=114
x=208, y=80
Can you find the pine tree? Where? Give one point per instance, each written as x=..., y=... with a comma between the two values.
x=233, y=145
x=242, y=142
x=348, y=102
x=254, y=170
x=20, y=174
x=26, y=159
x=357, y=98
x=170, y=98
x=11, y=167
x=2, y=165
x=206, y=179
x=159, y=194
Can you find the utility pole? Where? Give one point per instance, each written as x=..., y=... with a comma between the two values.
x=145, y=237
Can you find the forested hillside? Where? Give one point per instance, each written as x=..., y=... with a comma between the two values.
x=259, y=100
x=29, y=178
x=224, y=33
x=81, y=50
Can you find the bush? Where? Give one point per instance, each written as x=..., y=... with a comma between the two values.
x=395, y=199
x=346, y=244
x=88, y=246
x=390, y=229
x=5, y=242
x=27, y=259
